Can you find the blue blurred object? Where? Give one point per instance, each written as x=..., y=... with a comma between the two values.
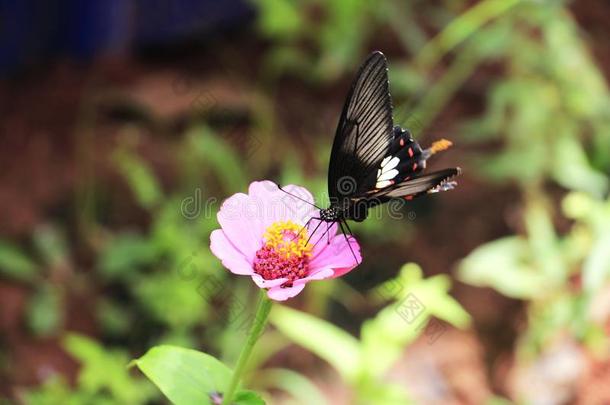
x=36, y=30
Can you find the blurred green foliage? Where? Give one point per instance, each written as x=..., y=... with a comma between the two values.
x=103, y=379
x=560, y=276
x=42, y=269
x=552, y=124
x=15, y=263
x=363, y=363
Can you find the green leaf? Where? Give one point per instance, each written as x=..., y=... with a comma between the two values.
x=504, y=265
x=572, y=168
x=188, y=377
x=295, y=384
x=45, y=311
x=279, y=18
x=51, y=243
x=56, y=391
x=386, y=393
x=176, y=301
x=248, y=398
x=114, y=317
x=596, y=268
x=103, y=371
x=218, y=156
x=433, y=292
x=385, y=336
x=334, y=345
x=140, y=178
x=543, y=240
x=15, y=264
x=124, y=254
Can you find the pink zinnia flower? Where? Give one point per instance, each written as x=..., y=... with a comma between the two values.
x=263, y=236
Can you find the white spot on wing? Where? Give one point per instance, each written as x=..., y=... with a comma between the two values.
x=389, y=175
x=389, y=163
x=383, y=184
x=387, y=171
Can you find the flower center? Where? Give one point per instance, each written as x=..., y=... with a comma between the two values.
x=285, y=253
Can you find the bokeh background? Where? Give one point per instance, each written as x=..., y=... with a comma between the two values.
x=125, y=124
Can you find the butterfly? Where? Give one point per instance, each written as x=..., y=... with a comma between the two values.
x=372, y=160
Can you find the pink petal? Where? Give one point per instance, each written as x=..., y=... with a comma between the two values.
x=262, y=283
x=342, y=271
x=317, y=274
x=240, y=222
x=338, y=256
x=283, y=293
x=277, y=205
x=230, y=257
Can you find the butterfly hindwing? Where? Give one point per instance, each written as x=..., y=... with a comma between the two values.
x=364, y=133
x=405, y=158
x=416, y=186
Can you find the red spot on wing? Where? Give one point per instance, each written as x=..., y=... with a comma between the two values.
x=402, y=142
x=408, y=197
x=414, y=166
x=410, y=152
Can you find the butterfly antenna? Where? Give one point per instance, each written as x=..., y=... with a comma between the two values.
x=297, y=197
x=347, y=239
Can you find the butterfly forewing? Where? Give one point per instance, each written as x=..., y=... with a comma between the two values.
x=364, y=132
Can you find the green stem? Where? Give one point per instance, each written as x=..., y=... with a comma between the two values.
x=460, y=29
x=439, y=95
x=258, y=324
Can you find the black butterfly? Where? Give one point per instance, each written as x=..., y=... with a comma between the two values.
x=372, y=161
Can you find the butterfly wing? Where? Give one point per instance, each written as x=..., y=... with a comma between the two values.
x=415, y=186
x=364, y=133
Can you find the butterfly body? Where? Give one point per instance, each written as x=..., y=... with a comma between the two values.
x=353, y=211
x=332, y=214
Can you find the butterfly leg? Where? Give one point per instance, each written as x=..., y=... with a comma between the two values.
x=347, y=239
x=303, y=227
x=348, y=228
x=327, y=232
x=314, y=231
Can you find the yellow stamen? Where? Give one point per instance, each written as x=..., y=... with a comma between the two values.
x=282, y=237
x=439, y=145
